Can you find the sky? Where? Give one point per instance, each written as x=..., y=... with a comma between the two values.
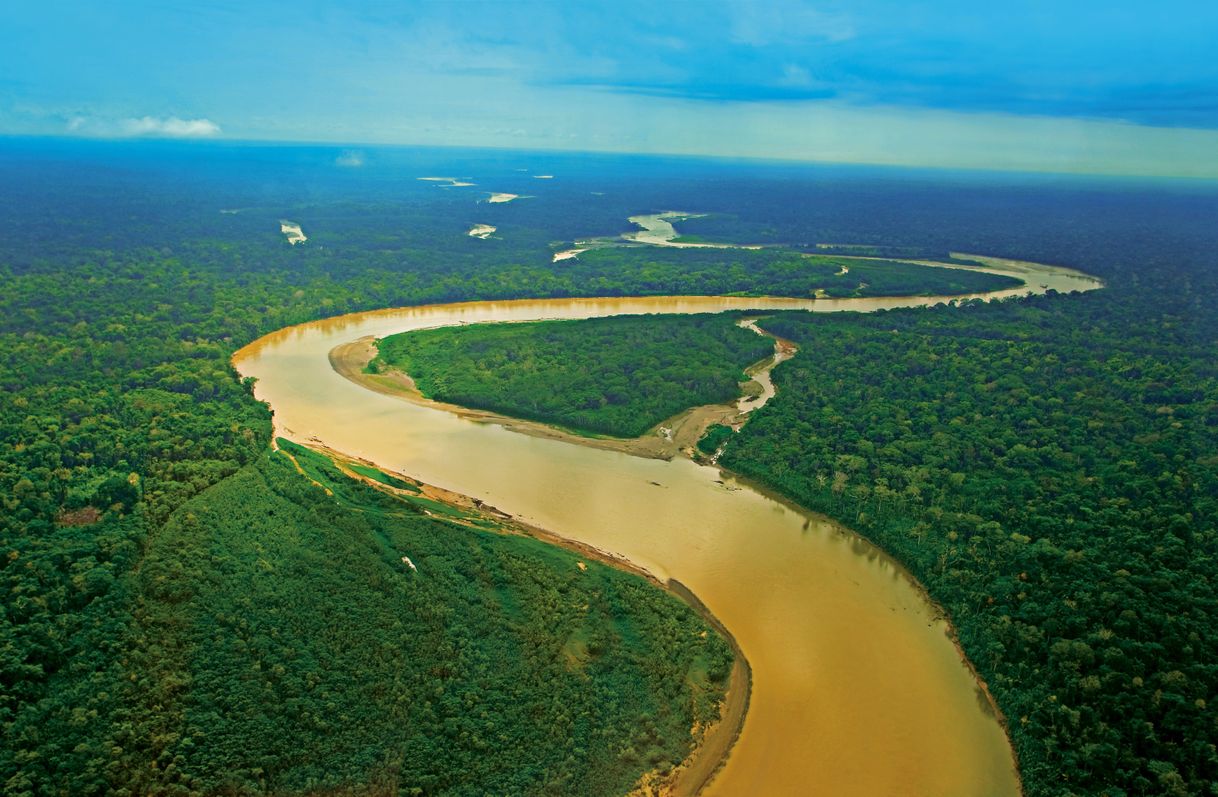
x=1115, y=87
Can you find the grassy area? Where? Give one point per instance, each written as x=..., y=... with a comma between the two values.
x=384, y=478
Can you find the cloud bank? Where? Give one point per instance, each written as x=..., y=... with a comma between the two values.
x=141, y=127
x=170, y=127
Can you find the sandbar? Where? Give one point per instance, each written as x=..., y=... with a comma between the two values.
x=568, y=254
x=292, y=230
x=446, y=182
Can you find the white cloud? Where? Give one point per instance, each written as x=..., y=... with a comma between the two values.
x=352, y=159
x=144, y=126
x=170, y=127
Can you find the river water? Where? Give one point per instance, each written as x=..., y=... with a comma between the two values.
x=857, y=687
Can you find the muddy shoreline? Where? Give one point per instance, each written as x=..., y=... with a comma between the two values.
x=671, y=437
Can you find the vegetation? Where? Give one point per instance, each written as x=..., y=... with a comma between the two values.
x=715, y=436
x=378, y=475
x=117, y=409
x=1049, y=477
x=161, y=636
x=772, y=272
x=494, y=664
x=1053, y=484
x=125, y=291
x=618, y=376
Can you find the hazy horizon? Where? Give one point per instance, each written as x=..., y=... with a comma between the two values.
x=363, y=156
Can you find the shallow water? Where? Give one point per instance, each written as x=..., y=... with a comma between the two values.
x=857, y=688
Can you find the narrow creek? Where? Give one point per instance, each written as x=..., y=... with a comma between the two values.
x=857, y=687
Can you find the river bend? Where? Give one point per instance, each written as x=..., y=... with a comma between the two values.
x=858, y=688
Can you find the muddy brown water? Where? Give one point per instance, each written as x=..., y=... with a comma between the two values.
x=858, y=688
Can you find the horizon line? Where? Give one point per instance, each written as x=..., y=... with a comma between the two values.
x=222, y=140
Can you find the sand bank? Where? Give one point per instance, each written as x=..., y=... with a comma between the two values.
x=293, y=232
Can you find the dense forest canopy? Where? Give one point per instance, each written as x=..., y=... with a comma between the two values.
x=767, y=272
x=1044, y=465
x=618, y=376
x=1053, y=483
x=306, y=654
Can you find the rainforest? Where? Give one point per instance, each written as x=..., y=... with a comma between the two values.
x=201, y=599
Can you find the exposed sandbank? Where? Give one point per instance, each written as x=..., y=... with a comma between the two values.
x=293, y=232
x=446, y=182
x=657, y=230
x=568, y=254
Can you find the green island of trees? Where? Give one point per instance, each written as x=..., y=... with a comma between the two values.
x=715, y=436
x=617, y=376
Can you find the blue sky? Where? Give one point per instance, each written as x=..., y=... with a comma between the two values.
x=1112, y=87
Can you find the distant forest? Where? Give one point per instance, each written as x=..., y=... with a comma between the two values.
x=1046, y=467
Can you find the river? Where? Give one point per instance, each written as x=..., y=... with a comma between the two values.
x=857, y=688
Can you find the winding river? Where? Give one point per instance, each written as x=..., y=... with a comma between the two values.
x=857, y=686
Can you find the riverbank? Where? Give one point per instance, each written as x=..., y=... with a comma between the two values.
x=940, y=613
x=713, y=743
x=671, y=437
x=858, y=686
x=684, y=430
